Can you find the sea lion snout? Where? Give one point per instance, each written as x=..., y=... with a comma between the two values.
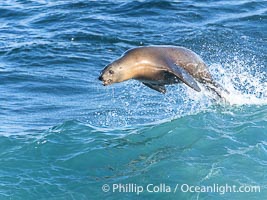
x=100, y=78
x=104, y=81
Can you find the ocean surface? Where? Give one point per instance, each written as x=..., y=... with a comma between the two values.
x=65, y=136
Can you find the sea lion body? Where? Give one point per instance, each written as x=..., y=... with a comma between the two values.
x=157, y=66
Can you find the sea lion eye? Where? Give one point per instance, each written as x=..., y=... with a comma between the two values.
x=111, y=71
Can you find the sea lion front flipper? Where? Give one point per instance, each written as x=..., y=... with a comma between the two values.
x=159, y=88
x=184, y=76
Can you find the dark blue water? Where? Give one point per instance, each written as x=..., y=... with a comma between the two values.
x=63, y=135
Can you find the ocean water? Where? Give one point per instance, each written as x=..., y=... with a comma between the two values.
x=65, y=136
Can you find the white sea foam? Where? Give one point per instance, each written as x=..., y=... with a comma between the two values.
x=245, y=82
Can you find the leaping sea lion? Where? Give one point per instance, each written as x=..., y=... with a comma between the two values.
x=157, y=66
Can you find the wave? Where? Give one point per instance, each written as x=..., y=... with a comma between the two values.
x=158, y=142
x=83, y=154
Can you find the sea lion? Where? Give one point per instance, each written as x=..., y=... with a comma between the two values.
x=157, y=66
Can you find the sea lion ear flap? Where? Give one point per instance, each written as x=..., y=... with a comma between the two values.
x=184, y=76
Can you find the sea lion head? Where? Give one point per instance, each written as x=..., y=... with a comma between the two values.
x=112, y=73
x=121, y=69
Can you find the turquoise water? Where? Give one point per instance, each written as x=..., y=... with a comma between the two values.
x=64, y=136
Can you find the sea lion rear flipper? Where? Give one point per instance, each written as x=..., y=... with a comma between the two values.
x=216, y=88
x=159, y=88
x=184, y=76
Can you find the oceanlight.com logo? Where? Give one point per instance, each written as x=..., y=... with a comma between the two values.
x=221, y=189
x=183, y=188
